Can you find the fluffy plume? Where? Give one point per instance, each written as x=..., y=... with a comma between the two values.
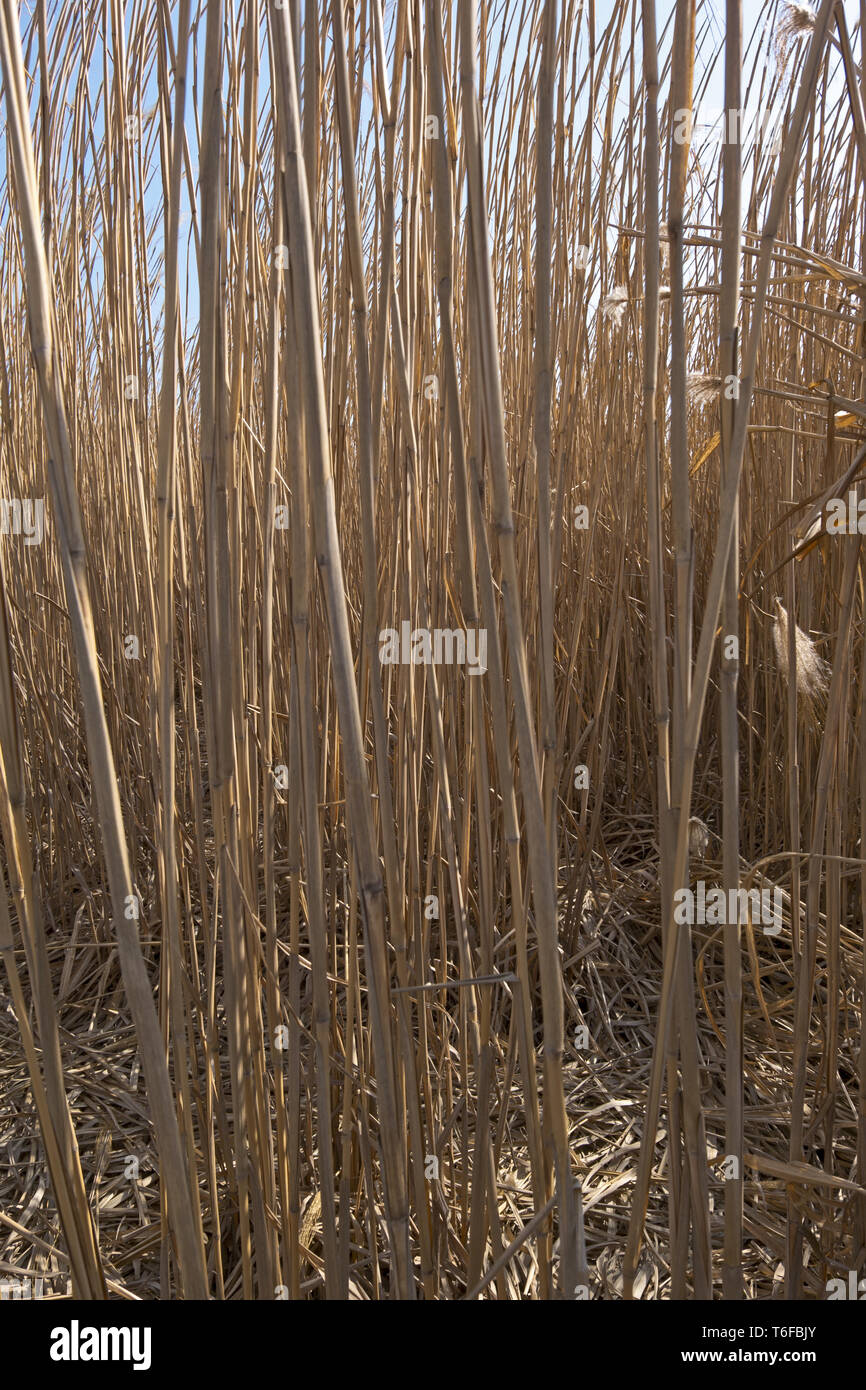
x=813, y=672
x=613, y=306
x=701, y=389
x=798, y=20
x=699, y=837
x=796, y=24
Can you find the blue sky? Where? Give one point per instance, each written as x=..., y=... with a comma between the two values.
x=708, y=86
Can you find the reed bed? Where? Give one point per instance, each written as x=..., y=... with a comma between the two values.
x=335, y=977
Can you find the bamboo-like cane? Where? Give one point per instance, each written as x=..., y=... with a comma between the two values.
x=71, y=542
x=164, y=647
x=541, y=869
x=683, y=538
x=330, y=568
x=712, y=609
x=657, y=624
x=732, y=1272
x=543, y=391
x=58, y=1133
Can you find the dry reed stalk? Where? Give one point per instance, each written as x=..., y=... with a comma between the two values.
x=329, y=564
x=78, y=597
x=712, y=609
x=694, y=1139
x=540, y=868
x=732, y=1275
x=49, y=1094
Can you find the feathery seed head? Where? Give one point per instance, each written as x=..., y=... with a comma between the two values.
x=614, y=305
x=702, y=389
x=812, y=672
